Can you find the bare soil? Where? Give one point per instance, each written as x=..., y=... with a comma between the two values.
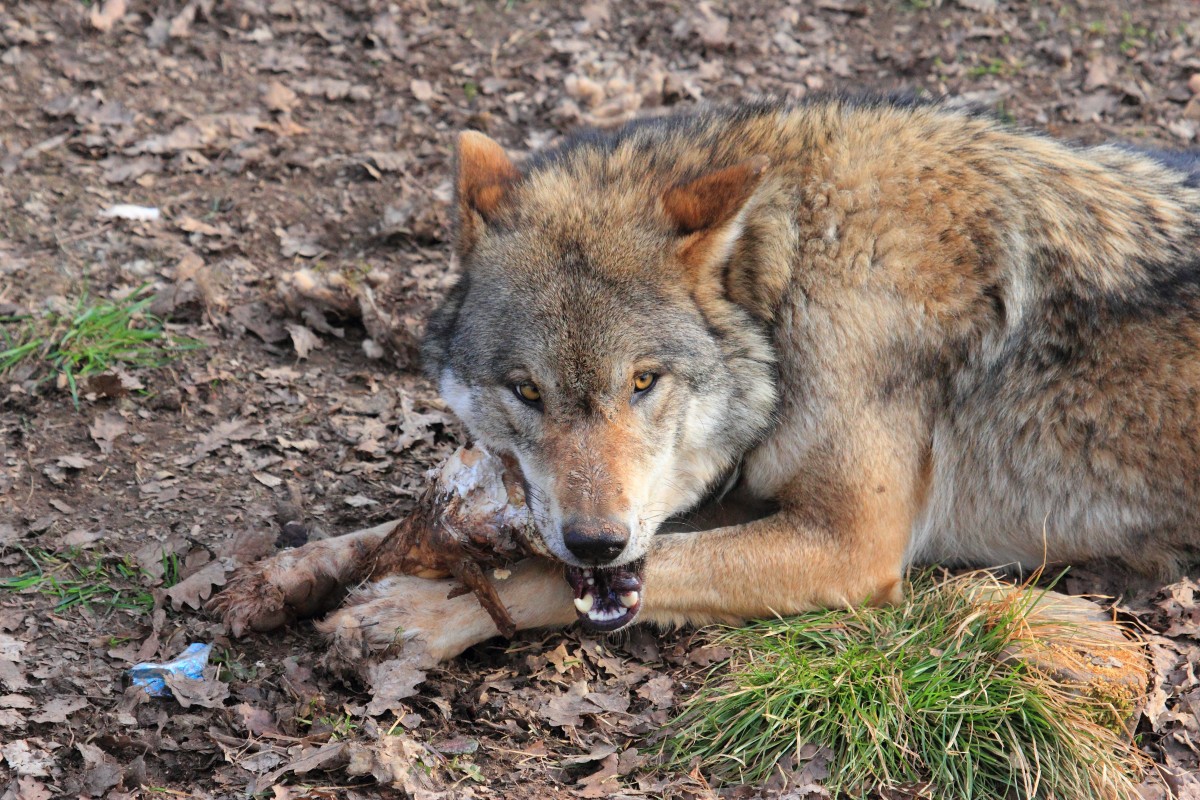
x=275, y=135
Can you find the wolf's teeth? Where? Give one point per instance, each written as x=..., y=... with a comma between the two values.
x=629, y=599
x=591, y=581
x=585, y=603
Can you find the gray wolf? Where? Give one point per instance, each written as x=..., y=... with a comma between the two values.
x=898, y=333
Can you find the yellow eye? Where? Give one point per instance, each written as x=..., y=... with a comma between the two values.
x=528, y=391
x=643, y=381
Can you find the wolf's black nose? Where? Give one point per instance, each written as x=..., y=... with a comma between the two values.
x=594, y=541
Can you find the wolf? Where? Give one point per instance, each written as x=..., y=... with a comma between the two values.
x=868, y=333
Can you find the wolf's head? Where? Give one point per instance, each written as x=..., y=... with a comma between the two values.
x=591, y=337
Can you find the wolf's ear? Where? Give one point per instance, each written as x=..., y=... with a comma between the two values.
x=708, y=212
x=484, y=174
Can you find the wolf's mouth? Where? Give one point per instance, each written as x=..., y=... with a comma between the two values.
x=607, y=598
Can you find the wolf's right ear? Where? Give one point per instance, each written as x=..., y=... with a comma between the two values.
x=484, y=174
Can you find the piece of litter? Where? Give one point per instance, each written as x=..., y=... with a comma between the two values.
x=190, y=664
x=125, y=211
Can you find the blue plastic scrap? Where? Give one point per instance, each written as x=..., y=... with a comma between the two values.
x=190, y=664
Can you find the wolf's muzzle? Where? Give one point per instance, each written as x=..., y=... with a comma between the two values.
x=595, y=541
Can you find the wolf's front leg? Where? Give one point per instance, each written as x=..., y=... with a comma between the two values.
x=780, y=565
x=297, y=583
x=388, y=614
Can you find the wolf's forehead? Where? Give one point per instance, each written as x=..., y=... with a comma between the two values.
x=600, y=196
x=580, y=321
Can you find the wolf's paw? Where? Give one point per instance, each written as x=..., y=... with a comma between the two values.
x=404, y=613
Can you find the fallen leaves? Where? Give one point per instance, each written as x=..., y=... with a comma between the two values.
x=30, y=758
x=307, y=759
x=205, y=134
x=105, y=15
x=1181, y=606
x=101, y=771
x=279, y=97
x=12, y=676
x=303, y=339
x=394, y=760
x=566, y=709
x=221, y=435
x=105, y=429
x=395, y=679
x=333, y=89
x=196, y=588
x=296, y=241
x=58, y=709
x=203, y=692
x=422, y=90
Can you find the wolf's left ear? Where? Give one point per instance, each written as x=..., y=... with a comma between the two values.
x=708, y=212
x=484, y=174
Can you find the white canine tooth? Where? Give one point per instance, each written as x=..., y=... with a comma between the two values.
x=591, y=581
x=629, y=599
x=585, y=603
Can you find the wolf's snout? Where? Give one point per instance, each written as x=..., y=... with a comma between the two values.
x=595, y=541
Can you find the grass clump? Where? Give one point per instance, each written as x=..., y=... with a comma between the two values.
x=921, y=696
x=72, y=581
x=93, y=338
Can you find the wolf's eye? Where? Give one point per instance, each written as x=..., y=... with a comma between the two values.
x=643, y=381
x=528, y=391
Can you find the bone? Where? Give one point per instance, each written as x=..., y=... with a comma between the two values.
x=472, y=519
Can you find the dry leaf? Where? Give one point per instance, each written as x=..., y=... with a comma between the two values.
x=73, y=461
x=108, y=14
x=105, y=429
x=278, y=97
x=27, y=757
x=197, y=588
x=234, y=430
x=303, y=445
x=602, y=782
x=102, y=772
x=303, y=339
x=421, y=90
x=1101, y=72
x=296, y=241
x=324, y=757
x=16, y=701
x=255, y=721
x=267, y=479
x=394, y=680
x=398, y=760
x=660, y=691
x=565, y=709
x=59, y=709
x=188, y=692
x=31, y=789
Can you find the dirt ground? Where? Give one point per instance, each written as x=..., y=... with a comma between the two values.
x=275, y=135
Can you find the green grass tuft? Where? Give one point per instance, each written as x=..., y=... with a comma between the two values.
x=94, y=338
x=917, y=695
x=72, y=580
